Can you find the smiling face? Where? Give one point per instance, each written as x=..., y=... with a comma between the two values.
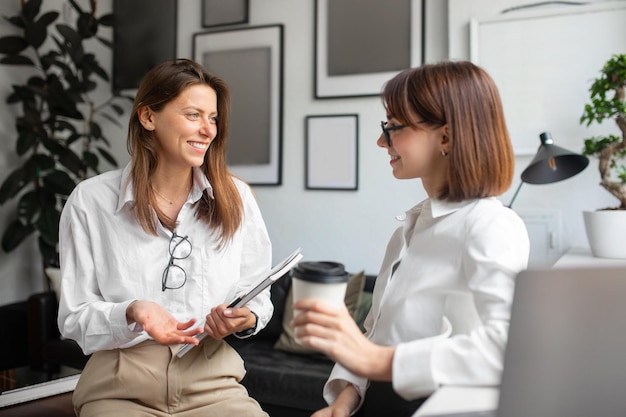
x=416, y=152
x=185, y=127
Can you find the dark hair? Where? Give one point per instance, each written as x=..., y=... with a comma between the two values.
x=464, y=97
x=162, y=84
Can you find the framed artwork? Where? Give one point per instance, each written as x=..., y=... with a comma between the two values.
x=140, y=44
x=383, y=38
x=332, y=152
x=250, y=61
x=535, y=100
x=224, y=12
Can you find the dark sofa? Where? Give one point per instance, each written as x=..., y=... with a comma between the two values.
x=285, y=384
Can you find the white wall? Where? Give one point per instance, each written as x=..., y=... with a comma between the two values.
x=347, y=226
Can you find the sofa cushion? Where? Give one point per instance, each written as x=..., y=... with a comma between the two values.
x=287, y=342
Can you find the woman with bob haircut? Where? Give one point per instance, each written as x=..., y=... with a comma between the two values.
x=441, y=304
x=149, y=249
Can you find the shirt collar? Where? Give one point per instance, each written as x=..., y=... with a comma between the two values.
x=200, y=183
x=440, y=208
x=436, y=208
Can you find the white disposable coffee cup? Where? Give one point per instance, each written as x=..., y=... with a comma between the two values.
x=322, y=280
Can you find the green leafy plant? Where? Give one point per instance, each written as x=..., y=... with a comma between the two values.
x=59, y=136
x=608, y=101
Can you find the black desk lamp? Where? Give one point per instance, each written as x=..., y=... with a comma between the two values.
x=551, y=164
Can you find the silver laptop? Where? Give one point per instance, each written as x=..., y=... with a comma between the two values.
x=566, y=352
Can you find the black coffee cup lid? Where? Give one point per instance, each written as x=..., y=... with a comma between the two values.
x=324, y=271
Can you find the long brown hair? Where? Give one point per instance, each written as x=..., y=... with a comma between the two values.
x=465, y=97
x=162, y=84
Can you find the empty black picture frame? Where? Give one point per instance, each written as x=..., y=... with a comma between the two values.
x=144, y=34
x=358, y=46
x=224, y=12
x=332, y=152
x=250, y=60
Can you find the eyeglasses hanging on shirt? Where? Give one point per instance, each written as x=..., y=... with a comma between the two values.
x=174, y=276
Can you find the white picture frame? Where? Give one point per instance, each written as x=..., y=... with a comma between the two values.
x=545, y=72
x=332, y=144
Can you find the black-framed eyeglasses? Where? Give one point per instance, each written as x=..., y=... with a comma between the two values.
x=174, y=276
x=386, y=130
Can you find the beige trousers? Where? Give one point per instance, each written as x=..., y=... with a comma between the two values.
x=150, y=380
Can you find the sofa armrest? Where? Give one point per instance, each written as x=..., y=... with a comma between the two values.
x=14, y=326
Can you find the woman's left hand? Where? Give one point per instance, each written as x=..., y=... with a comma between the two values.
x=224, y=320
x=332, y=331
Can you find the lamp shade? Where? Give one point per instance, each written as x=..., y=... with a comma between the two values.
x=553, y=163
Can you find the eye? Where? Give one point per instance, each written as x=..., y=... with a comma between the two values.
x=194, y=115
x=213, y=119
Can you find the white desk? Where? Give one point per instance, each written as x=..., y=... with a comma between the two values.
x=449, y=399
x=582, y=258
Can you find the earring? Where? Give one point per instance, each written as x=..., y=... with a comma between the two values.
x=444, y=153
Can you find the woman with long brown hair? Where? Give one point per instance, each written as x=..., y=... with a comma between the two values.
x=148, y=250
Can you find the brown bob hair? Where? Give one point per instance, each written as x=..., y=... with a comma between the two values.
x=162, y=84
x=464, y=97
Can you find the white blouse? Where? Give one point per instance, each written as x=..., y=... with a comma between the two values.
x=108, y=260
x=443, y=297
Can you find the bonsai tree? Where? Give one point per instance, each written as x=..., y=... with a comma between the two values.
x=59, y=137
x=608, y=101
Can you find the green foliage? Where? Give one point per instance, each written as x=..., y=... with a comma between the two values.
x=608, y=101
x=59, y=138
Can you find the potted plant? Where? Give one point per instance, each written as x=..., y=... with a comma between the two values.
x=59, y=137
x=608, y=101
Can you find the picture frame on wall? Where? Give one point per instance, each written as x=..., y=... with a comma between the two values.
x=534, y=100
x=250, y=60
x=224, y=12
x=384, y=38
x=332, y=145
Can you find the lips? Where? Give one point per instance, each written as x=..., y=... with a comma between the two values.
x=199, y=145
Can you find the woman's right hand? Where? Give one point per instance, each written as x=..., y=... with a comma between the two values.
x=160, y=324
x=346, y=401
x=332, y=411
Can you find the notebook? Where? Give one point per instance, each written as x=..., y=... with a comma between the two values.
x=566, y=352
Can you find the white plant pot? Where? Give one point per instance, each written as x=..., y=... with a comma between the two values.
x=606, y=230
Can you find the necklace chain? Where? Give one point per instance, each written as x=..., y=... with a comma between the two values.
x=171, y=202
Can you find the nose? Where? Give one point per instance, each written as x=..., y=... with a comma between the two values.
x=382, y=142
x=209, y=128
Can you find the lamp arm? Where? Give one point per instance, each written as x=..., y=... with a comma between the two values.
x=515, y=195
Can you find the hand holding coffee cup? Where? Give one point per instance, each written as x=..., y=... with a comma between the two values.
x=322, y=280
x=326, y=281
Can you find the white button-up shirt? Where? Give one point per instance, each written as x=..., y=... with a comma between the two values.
x=443, y=296
x=108, y=260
